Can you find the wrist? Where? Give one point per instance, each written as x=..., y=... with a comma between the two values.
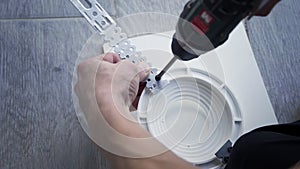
x=163, y=161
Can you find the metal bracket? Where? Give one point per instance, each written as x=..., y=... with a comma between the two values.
x=128, y=51
x=95, y=15
x=155, y=86
x=224, y=152
x=106, y=26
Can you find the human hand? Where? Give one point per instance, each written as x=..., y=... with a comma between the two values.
x=116, y=81
x=112, y=85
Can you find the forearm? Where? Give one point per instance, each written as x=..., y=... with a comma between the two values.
x=164, y=161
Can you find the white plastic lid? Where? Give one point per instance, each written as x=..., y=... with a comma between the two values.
x=194, y=115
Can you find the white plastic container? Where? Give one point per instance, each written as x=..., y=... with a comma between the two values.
x=208, y=100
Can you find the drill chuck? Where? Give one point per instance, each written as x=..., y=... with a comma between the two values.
x=181, y=53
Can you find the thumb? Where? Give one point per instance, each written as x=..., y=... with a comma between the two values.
x=144, y=70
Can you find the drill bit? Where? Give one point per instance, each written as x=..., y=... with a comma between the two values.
x=166, y=68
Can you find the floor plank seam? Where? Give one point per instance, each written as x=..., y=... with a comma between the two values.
x=40, y=18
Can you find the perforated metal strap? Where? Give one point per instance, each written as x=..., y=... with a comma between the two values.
x=106, y=26
x=96, y=15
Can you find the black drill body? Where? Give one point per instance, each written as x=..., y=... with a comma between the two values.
x=206, y=24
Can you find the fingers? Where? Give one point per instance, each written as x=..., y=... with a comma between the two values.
x=137, y=99
x=143, y=70
x=140, y=70
x=110, y=57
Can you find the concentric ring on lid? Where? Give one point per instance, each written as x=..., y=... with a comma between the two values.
x=192, y=116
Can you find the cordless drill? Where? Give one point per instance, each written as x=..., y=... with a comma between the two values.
x=206, y=24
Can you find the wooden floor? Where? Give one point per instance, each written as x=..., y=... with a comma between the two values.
x=39, y=41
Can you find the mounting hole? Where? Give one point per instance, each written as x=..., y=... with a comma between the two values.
x=127, y=56
x=95, y=13
x=148, y=80
x=103, y=23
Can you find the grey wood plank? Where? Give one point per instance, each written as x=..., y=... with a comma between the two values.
x=44, y=8
x=124, y=7
x=275, y=42
x=38, y=124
